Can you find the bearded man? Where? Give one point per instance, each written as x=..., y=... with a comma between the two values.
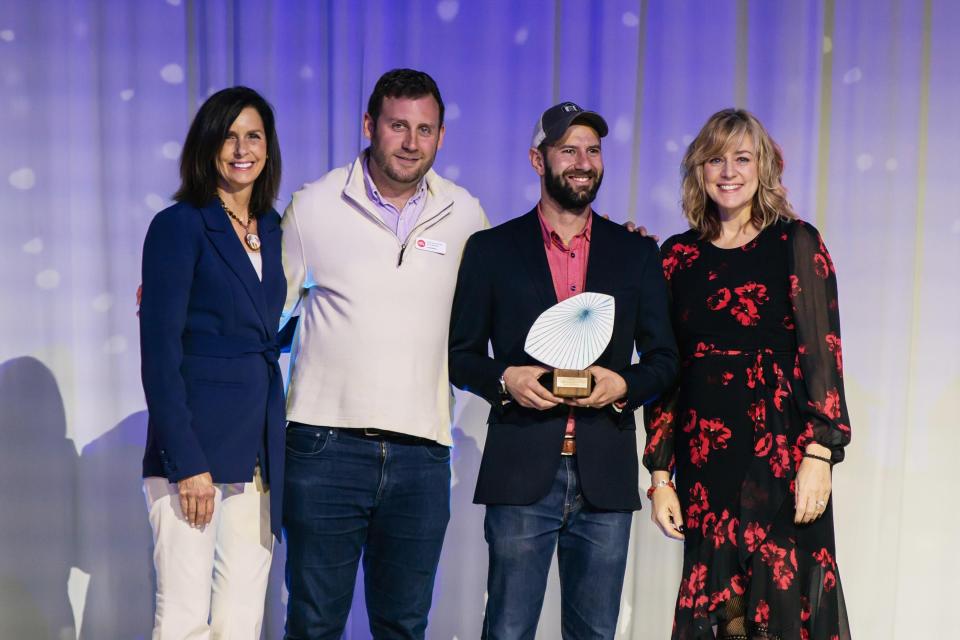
x=559, y=475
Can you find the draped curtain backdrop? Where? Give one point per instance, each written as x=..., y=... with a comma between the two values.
x=96, y=98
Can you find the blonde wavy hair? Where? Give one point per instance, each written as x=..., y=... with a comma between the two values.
x=722, y=132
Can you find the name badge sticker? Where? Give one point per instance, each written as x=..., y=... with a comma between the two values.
x=433, y=246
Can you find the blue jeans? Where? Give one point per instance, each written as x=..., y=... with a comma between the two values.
x=591, y=554
x=347, y=496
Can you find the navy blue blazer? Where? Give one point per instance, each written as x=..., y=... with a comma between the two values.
x=504, y=284
x=208, y=330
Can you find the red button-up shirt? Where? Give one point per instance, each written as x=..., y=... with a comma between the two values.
x=568, y=267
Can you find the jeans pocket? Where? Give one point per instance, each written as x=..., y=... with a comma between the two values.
x=306, y=441
x=437, y=452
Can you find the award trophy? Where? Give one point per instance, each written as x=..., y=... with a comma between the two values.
x=569, y=337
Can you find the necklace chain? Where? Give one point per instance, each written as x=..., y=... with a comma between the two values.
x=246, y=226
x=252, y=240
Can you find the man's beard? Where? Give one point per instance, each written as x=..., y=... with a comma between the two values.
x=383, y=163
x=564, y=194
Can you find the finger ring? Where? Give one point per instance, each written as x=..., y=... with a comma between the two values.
x=821, y=504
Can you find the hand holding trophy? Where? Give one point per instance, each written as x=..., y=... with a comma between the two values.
x=570, y=336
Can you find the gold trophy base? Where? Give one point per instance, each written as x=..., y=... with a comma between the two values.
x=572, y=383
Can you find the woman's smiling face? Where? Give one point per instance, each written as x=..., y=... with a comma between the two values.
x=731, y=180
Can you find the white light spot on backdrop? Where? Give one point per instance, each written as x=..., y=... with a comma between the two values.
x=671, y=146
x=33, y=246
x=532, y=192
x=173, y=3
x=686, y=139
x=891, y=164
x=630, y=19
x=864, y=161
x=852, y=76
x=827, y=44
x=170, y=150
x=448, y=9
x=154, y=202
x=520, y=35
x=48, y=279
x=452, y=112
x=7, y=35
x=126, y=95
x=77, y=584
x=306, y=72
x=115, y=345
x=102, y=303
x=172, y=73
x=622, y=129
x=452, y=172
x=23, y=179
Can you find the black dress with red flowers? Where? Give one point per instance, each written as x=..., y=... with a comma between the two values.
x=759, y=332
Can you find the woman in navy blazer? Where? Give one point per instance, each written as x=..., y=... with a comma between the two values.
x=213, y=289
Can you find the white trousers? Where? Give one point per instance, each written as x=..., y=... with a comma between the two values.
x=211, y=582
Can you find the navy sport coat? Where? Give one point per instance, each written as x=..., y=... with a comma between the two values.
x=504, y=284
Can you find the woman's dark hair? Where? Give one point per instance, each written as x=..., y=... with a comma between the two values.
x=208, y=132
x=403, y=83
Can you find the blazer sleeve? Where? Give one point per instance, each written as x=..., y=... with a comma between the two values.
x=653, y=335
x=471, y=322
x=170, y=253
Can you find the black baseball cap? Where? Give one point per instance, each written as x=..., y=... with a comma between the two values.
x=557, y=119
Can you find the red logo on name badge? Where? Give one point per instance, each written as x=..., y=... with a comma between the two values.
x=421, y=244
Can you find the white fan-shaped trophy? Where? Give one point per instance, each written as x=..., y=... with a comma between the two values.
x=570, y=336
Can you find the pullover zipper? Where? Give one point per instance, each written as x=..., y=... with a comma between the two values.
x=426, y=224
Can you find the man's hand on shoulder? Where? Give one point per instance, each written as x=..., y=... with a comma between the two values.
x=608, y=387
x=642, y=230
x=524, y=385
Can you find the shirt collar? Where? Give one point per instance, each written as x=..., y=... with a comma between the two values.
x=551, y=237
x=374, y=194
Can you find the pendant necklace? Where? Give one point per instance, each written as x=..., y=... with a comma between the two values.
x=251, y=239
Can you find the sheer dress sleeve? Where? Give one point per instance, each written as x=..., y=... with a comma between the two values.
x=819, y=363
x=659, y=418
x=659, y=415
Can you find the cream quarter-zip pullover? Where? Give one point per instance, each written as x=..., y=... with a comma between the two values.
x=371, y=346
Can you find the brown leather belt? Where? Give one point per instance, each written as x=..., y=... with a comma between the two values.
x=569, y=447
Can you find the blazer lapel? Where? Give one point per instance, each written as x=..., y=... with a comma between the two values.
x=602, y=273
x=529, y=243
x=225, y=241
x=274, y=284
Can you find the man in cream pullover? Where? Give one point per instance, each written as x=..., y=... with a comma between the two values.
x=371, y=253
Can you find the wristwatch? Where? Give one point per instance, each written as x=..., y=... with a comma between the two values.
x=503, y=388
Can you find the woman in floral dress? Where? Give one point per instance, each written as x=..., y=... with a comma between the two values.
x=758, y=418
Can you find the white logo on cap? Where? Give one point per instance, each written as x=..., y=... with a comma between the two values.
x=570, y=107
